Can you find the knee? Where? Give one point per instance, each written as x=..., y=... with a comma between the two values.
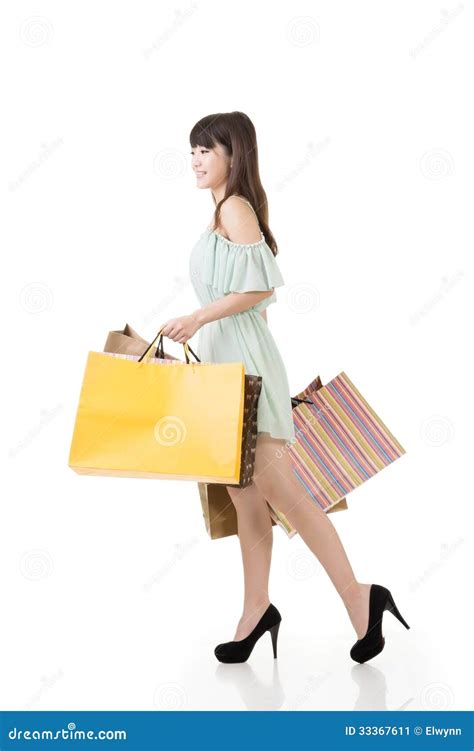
x=267, y=484
x=245, y=499
x=275, y=489
x=237, y=496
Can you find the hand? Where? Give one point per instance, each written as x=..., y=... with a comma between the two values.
x=181, y=329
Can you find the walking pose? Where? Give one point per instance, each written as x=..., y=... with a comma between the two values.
x=234, y=273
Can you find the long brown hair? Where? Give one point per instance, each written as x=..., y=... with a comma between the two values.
x=236, y=133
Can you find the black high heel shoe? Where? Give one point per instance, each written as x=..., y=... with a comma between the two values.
x=239, y=651
x=373, y=642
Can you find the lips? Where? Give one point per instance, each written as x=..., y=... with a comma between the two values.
x=200, y=174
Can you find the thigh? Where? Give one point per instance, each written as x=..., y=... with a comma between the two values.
x=272, y=462
x=249, y=498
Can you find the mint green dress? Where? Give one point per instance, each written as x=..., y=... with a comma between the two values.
x=217, y=267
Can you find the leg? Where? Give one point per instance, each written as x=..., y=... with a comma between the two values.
x=274, y=476
x=256, y=541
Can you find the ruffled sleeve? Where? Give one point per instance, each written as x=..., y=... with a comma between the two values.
x=230, y=267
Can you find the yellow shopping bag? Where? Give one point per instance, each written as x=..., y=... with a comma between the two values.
x=148, y=417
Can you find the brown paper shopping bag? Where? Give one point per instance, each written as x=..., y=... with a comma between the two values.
x=126, y=341
x=218, y=510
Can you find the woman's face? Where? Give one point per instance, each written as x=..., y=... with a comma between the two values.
x=211, y=166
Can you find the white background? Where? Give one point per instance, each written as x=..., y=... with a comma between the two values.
x=113, y=595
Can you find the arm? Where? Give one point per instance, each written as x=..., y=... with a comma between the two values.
x=240, y=225
x=234, y=302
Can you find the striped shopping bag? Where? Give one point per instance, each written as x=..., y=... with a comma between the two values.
x=340, y=441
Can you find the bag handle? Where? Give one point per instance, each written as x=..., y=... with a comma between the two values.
x=160, y=351
x=295, y=401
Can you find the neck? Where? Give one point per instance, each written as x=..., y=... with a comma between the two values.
x=219, y=192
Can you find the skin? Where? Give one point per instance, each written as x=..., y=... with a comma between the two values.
x=273, y=478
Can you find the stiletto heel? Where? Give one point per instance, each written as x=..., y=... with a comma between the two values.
x=390, y=606
x=373, y=642
x=274, y=633
x=240, y=651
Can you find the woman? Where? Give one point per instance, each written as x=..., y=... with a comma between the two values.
x=234, y=273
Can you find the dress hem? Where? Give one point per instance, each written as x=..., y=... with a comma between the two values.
x=278, y=437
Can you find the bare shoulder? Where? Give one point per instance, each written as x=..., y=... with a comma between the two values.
x=238, y=222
